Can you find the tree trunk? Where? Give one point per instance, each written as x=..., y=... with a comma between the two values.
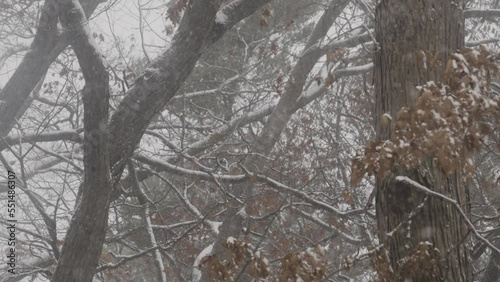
x=197, y=31
x=83, y=242
x=408, y=221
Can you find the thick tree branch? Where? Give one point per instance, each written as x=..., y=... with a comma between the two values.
x=44, y=49
x=162, y=79
x=83, y=242
x=474, y=13
x=298, y=77
x=62, y=135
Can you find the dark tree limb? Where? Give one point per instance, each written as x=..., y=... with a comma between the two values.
x=44, y=49
x=159, y=83
x=83, y=242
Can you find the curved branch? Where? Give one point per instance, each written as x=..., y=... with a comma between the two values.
x=475, y=13
x=409, y=182
x=44, y=49
x=164, y=166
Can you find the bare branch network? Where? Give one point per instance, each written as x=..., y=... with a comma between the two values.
x=250, y=140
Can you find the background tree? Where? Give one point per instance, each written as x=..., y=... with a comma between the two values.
x=279, y=104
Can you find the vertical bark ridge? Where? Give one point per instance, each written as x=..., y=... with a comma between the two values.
x=403, y=29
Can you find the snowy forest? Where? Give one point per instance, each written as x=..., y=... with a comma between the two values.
x=250, y=140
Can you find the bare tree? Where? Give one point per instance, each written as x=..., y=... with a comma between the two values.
x=228, y=154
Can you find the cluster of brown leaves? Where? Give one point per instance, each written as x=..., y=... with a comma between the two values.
x=238, y=253
x=422, y=261
x=382, y=266
x=446, y=123
x=266, y=14
x=309, y=265
x=335, y=55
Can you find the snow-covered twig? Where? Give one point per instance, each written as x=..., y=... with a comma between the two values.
x=406, y=180
x=164, y=166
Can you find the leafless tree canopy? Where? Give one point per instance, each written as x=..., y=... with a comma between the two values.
x=249, y=140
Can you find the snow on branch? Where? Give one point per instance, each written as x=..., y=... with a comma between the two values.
x=446, y=122
x=231, y=14
x=349, y=42
x=164, y=166
x=330, y=227
x=311, y=95
x=96, y=188
x=479, y=42
x=413, y=184
x=476, y=13
x=44, y=49
x=49, y=136
x=145, y=202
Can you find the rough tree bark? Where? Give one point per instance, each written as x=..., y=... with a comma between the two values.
x=159, y=83
x=403, y=28
x=148, y=97
x=492, y=271
x=147, y=91
x=83, y=242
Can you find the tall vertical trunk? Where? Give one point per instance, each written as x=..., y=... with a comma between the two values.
x=83, y=242
x=403, y=29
